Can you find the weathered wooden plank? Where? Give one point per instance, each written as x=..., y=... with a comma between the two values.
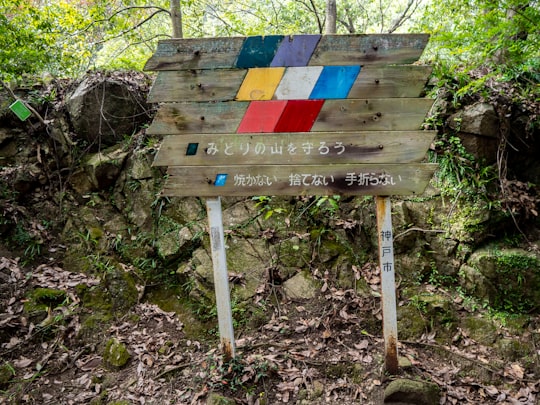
x=297, y=83
x=262, y=116
x=355, y=179
x=195, y=53
x=372, y=49
x=390, y=81
x=294, y=148
x=196, y=85
x=362, y=49
x=295, y=50
x=178, y=118
x=392, y=114
x=260, y=83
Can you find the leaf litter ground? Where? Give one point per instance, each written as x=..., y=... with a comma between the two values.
x=327, y=350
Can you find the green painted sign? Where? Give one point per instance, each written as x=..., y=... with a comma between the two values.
x=20, y=110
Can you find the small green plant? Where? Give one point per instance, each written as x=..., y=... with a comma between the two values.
x=133, y=185
x=264, y=203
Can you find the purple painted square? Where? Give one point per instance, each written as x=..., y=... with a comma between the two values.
x=295, y=50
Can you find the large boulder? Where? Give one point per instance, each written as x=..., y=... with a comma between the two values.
x=106, y=108
x=478, y=129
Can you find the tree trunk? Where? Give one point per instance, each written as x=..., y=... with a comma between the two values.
x=176, y=18
x=331, y=17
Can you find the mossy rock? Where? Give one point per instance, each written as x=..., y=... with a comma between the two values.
x=94, y=325
x=122, y=290
x=292, y=252
x=47, y=296
x=483, y=330
x=95, y=298
x=514, y=349
x=411, y=323
x=40, y=300
x=424, y=313
x=412, y=392
x=116, y=354
x=509, y=279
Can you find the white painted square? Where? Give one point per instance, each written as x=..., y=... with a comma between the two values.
x=297, y=83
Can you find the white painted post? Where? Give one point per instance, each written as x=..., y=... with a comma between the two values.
x=386, y=264
x=221, y=277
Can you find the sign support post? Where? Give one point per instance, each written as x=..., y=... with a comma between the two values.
x=388, y=287
x=221, y=277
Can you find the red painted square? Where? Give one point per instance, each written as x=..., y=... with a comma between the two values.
x=299, y=115
x=261, y=116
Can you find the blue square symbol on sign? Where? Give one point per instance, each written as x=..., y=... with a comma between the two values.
x=221, y=179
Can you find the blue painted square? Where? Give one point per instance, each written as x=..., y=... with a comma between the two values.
x=221, y=179
x=335, y=82
x=258, y=51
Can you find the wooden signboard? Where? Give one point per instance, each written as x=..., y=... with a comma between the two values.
x=332, y=100
x=294, y=115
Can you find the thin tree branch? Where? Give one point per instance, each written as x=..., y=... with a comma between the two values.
x=160, y=9
x=403, y=17
x=121, y=34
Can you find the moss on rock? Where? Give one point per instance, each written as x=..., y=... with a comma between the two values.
x=116, y=354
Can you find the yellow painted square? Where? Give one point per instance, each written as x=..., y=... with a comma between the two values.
x=260, y=83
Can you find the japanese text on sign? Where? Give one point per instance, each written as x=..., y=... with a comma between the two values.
x=310, y=179
x=260, y=148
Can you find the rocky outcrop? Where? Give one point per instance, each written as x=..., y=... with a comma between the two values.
x=104, y=109
x=477, y=126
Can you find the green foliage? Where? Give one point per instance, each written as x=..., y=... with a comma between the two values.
x=502, y=38
x=515, y=271
x=460, y=175
x=36, y=39
x=264, y=203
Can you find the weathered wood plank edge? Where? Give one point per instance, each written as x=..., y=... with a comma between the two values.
x=393, y=179
x=222, y=84
x=294, y=148
x=222, y=52
x=336, y=115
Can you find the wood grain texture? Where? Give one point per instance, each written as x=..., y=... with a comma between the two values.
x=297, y=83
x=295, y=148
x=178, y=118
x=390, y=81
x=383, y=179
x=196, y=85
x=369, y=49
x=195, y=53
x=219, y=53
x=392, y=114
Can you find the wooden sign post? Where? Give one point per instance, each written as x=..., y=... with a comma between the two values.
x=293, y=115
